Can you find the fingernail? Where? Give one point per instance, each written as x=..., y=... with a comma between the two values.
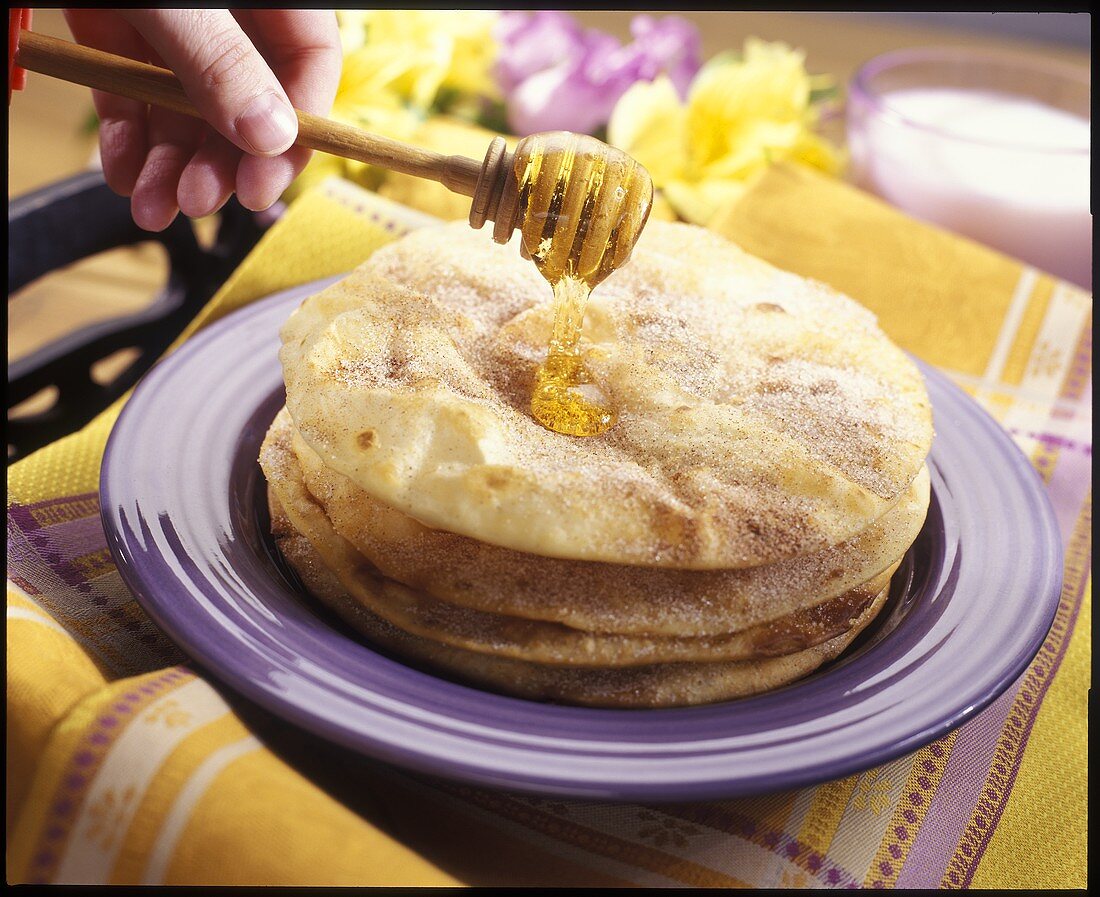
x=268, y=125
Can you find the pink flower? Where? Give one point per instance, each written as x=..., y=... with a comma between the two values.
x=669, y=45
x=558, y=76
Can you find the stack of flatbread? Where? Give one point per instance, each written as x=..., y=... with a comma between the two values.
x=737, y=527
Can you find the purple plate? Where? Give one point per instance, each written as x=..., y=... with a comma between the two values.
x=183, y=506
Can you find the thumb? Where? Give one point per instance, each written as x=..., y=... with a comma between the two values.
x=223, y=74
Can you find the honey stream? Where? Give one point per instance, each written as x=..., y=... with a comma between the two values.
x=583, y=206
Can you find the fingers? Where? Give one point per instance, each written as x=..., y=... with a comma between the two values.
x=260, y=182
x=173, y=140
x=123, y=139
x=162, y=160
x=303, y=48
x=208, y=180
x=223, y=75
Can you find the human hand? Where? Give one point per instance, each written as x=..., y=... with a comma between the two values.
x=244, y=70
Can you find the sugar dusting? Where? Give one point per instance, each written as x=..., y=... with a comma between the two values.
x=604, y=670
x=760, y=415
x=714, y=361
x=596, y=596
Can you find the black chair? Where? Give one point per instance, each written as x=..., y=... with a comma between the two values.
x=72, y=220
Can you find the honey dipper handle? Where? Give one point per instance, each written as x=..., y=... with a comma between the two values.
x=159, y=87
x=456, y=173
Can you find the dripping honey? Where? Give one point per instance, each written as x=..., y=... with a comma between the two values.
x=583, y=206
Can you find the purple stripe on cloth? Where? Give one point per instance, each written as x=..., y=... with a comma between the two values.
x=53, y=511
x=77, y=536
x=57, y=551
x=976, y=778
x=1057, y=441
x=63, y=535
x=1068, y=489
x=713, y=815
x=958, y=791
x=87, y=757
x=970, y=770
x=990, y=807
x=1007, y=763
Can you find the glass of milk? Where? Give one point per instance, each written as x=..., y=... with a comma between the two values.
x=989, y=145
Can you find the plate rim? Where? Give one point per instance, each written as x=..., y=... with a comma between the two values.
x=536, y=781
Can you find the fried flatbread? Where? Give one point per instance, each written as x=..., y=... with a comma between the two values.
x=761, y=416
x=591, y=596
x=534, y=640
x=656, y=685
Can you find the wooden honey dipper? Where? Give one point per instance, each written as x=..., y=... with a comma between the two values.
x=494, y=184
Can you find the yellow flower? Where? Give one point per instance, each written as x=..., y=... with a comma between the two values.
x=398, y=65
x=742, y=113
x=353, y=29
x=415, y=54
x=387, y=116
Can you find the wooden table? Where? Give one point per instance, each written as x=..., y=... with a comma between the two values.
x=47, y=142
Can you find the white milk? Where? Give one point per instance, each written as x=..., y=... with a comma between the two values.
x=987, y=165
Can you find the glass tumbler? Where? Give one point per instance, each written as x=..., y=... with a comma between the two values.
x=990, y=145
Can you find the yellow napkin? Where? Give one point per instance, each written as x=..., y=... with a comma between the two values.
x=124, y=766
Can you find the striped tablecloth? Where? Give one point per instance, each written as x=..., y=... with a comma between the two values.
x=126, y=766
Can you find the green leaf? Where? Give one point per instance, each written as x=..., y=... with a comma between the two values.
x=445, y=98
x=90, y=125
x=823, y=94
x=493, y=116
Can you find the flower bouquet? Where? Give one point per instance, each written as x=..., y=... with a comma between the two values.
x=449, y=80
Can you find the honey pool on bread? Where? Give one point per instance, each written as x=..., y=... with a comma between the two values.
x=584, y=206
x=737, y=527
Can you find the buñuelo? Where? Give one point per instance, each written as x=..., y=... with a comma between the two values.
x=737, y=527
x=651, y=686
x=498, y=633
x=760, y=415
x=596, y=596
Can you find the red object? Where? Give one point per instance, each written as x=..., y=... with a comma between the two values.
x=17, y=77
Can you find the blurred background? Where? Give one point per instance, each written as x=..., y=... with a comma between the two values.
x=1064, y=28
x=47, y=139
x=52, y=131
